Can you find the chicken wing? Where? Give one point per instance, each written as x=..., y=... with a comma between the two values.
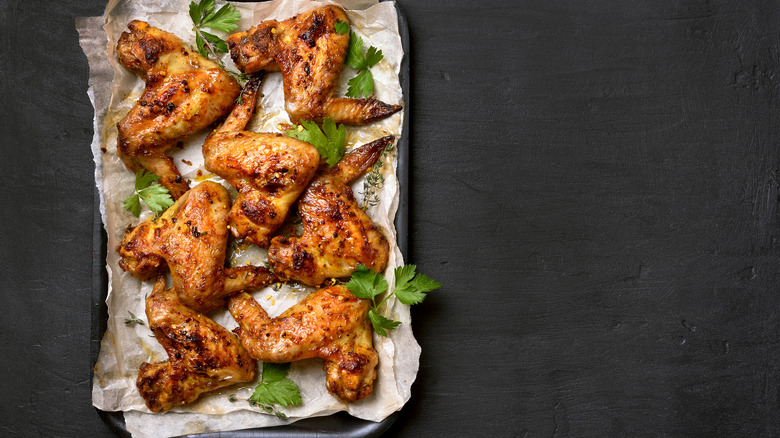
x=310, y=54
x=330, y=324
x=269, y=170
x=184, y=93
x=202, y=355
x=337, y=233
x=190, y=239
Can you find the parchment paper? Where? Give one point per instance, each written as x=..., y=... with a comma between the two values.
x=113, y=91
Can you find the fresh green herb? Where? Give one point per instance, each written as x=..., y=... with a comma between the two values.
x=342, y=26
x=154, y=195
x=363, y=83
x=375, y=180
x=275, y=389
x=410, y=288
x=206, y=15
x=133, y=320
x=331, y=144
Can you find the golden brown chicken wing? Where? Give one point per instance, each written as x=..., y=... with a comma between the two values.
x=330, y=324
x=310, y=54
x=269, y=171
x=184, y=93
x=202, y=355
x=190, y=238
x=337, y=233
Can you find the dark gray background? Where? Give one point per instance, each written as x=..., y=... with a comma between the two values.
x=595, y=183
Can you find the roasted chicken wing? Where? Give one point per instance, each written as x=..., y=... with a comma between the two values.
x=337, y=233
x=184, y=93
x=310, y=54
x=202, y=355
x=269, y=170
x=190, y=238
x=330, y=324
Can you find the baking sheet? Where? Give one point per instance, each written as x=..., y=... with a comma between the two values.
x=336, y=423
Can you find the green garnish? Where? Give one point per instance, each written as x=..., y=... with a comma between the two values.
x=341, y=26
x=154, y=195
x=410, y=288
x=206, y=15
x=375, y=180
x=133, y=320
x=363, y=83
x=331, y=144
x=275, y=389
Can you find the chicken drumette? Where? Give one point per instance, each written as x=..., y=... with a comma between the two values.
x=330, y=324
x=190, y=238
x=184, y=93
x=202, y=355
x=337, y=233
x=269, y=170
x=310, y=54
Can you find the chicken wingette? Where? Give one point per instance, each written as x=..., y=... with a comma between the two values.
x=310, y=53
x=184, y=94
x=337, y=233
x=190, y=239
x=202, y=355
x=329, y=323
x=269, y=171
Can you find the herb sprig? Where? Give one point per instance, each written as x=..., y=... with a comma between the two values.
x=206, y=15
x=375, y=180
x=275, y=389
x=133, y=320
x=330, y=141
x=363, y=83
x=147, y=190
x=410, y=288
x=341, y=26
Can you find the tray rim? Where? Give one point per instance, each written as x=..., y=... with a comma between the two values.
x=306, y=428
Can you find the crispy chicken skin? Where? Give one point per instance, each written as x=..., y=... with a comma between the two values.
x=337, y=233
x=330, y=324
x=310, y=54
x=202, y=355
x=184, y=93
x=269, y=171
x=190, y=239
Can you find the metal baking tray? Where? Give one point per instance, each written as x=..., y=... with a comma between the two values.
x=340, y=424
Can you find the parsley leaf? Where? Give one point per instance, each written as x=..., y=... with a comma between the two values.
x=410, y=288
x=275, y=389
x=365, y=283
x=224, y=19
x=381, y=324
x=363, y=83
x=331, y=144
x=355, y=58
x=373, y=56
x=341, y=26
x=154, y=195
x=206, y=15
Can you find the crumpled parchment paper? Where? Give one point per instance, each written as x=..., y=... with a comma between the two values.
x=113, y=90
